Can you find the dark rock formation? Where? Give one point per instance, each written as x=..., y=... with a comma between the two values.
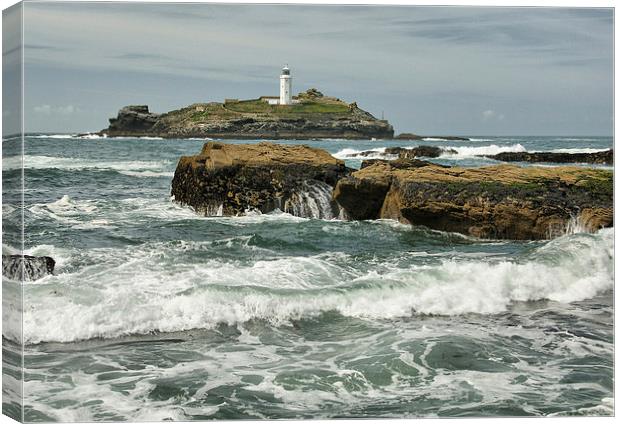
x=410, y=136
x=34, y=267
x=400, y=163
x=505, y=202
x=408, y=152
x=230, y=179
x=419, y=151
x=133, y=121
x=316, y=116
x=606, y=157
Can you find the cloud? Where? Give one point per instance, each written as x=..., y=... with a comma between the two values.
x=55, y=110
x=41, y=47
x=490, y=114
x=138, y=56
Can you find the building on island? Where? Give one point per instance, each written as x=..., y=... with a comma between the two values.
x=286, y=90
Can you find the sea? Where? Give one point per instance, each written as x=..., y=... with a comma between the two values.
x=156, y=313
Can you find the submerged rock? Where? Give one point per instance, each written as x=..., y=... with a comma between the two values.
x=232, y=179
x=604, y=158
x=34, y=267
x=505, y=202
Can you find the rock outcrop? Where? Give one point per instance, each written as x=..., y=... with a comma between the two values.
x=34, y=267
x=604, y=158
x=232, y=179
x=407, y=152
x=419, y=151
x=133, y=121
x=315, y=116
x=502, y=202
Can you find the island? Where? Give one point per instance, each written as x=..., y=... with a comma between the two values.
x=310, y=115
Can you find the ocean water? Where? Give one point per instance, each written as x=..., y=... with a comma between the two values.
x=156, y=313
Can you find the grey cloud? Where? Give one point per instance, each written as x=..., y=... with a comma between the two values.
x=139, y=56
x=41, y=47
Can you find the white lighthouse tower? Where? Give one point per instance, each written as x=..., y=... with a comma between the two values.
x=285, y=86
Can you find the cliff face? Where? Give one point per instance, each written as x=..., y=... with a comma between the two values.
x=316, y=116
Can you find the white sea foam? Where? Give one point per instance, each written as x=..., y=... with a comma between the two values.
x=87, y=136
x=471, y=151
x=147, y=174
x=139, y=294
x=348, y=153
x=579, y=150
x=53, y=162
x=92, y=136
x=436, y=139
x=56, y=136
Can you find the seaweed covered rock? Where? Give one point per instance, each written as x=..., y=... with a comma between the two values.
x=604, y=158
x=419, y=151
x=232, y=179
x=407, y=152
x=505, y=202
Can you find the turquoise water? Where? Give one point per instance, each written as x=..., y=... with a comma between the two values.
x=156, y=313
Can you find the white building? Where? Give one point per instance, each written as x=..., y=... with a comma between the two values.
x=286, y=90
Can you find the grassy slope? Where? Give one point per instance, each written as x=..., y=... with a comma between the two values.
x=257, y=107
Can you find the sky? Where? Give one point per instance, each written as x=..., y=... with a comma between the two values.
x=428, y=70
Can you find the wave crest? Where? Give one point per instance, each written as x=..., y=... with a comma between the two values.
x=142, y=296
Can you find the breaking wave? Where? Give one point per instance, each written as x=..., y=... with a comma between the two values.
x=376, y=153
x=133, y=292
x=53, y=162
x=579, y=150
x=470, y=151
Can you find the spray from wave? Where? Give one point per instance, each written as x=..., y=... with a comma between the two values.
x=376, y=153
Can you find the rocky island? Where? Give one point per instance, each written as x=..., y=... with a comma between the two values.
x=503, y=202
x=313, y=115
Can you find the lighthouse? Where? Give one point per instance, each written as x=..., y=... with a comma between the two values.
x=285, y=86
